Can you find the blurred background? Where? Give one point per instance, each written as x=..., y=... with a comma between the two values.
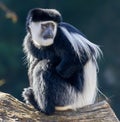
x=99, y=20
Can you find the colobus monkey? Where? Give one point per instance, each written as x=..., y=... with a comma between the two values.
x=62, y=66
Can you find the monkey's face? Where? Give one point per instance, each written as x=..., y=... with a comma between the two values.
x=43, y=33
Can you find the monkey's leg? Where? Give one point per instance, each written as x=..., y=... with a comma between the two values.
x=29, y=97
x=44, y=100
x=42, y=88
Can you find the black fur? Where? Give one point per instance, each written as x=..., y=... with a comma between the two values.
x=38, y=14
x=56, y=71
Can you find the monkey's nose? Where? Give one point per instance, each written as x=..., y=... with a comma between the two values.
x=48, y=35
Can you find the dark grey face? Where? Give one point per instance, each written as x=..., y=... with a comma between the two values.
x=47, y=30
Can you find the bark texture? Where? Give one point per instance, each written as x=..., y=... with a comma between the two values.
x=13, y=110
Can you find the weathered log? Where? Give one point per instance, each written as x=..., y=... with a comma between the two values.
x=13, y=110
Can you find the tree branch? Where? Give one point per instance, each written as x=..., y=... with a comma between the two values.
x=12, y=109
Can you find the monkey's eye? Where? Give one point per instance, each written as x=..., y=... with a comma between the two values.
x=52, y=25
x=44, y=26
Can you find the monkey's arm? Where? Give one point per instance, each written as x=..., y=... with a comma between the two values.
x=42, y=88
x=70, y=61
x=69, y=65
x=66, y=67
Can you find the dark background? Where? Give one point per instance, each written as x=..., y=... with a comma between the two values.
x=99, y=20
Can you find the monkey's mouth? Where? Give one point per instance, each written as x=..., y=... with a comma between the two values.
x=50, y=36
